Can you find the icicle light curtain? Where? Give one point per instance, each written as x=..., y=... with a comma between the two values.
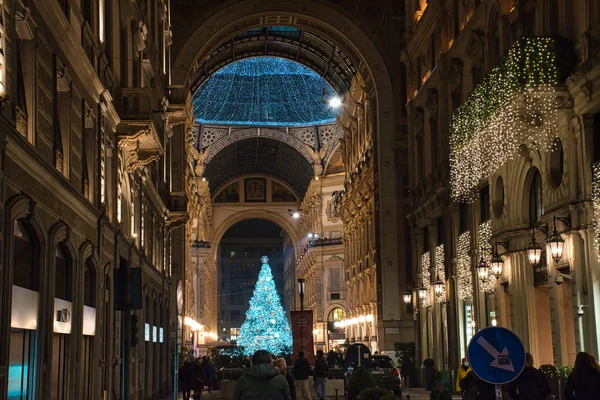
x=514, y=104
x=426, y=273
x=464, y=274
x=485, y=247
x=440, y=271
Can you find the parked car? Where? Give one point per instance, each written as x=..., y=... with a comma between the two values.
x=385, y=373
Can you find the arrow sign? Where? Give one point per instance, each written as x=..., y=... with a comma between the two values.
x=501, y=360
x=492, y=365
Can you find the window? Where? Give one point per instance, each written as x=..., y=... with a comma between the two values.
x=25, y=274
x=232, y=254
x=334, y=279
x=484, y=203
x=556, y=161
x=89, y=283
x=535, y=197
x=235, y=315
x=499, y=197
x=434, y=142
x=236, y=300
x=62, y=288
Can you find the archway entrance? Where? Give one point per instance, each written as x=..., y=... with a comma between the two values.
x=239, y=262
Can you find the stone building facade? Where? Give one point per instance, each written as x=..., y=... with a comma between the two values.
x=485, y=191
x=91, y=157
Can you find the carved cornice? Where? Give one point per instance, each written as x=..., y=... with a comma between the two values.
x=141, y=143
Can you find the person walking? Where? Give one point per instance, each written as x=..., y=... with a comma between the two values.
x=210, y=373
x=282, y=367
x=584, y=380
x=185, y=376
x=301, y=373
x=461, y=373
x=262, y=381
x=531, y=383
x=320, y=375
x=196, y=379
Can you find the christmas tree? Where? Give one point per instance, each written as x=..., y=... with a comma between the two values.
x=266, y=326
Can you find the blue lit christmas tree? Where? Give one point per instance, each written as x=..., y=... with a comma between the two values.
x=266, y=326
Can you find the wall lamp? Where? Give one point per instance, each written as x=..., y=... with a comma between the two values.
x=555, y=241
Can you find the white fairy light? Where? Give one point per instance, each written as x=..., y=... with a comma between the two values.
x=426, y=274
x=596, y=205
x=515, y=104
x=463, y=271
x=485, y=249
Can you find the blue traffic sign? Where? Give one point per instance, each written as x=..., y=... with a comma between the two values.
x=496, y=355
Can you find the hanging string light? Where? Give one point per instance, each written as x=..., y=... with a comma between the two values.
x=596, y=206
x=464, y=276
x=265, y=91
x=439, y=286
x=487, y=283
x=426, y=274
x=514, y=104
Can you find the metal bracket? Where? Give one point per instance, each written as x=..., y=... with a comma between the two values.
x=565, y=220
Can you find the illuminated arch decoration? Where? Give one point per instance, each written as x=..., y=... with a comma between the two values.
x=264, y=91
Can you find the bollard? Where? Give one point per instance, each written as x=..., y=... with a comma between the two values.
x=336, y=393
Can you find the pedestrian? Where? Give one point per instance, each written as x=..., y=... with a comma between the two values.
x=262, y=381
x=475, y=388
x=185, y=375
x=282, y=367
x=320, y=375
x=301, y=373
x=461, y=373
x=584, y=380
x=210, y=373
x=196, y=379
x=531, y=383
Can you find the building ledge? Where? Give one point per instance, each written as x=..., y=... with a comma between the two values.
x=141, y=142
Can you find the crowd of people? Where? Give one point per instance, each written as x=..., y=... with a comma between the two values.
x=195, y=375
x=270, y=379
x=583, y=382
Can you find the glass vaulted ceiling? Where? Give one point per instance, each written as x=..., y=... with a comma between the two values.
x=264, y=91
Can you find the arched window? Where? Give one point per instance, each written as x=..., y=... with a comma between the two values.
x=335, y=315
x=536, y=209
x=63, y=275
x=89, y=284
x=26, y=273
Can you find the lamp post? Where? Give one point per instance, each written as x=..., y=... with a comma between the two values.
x=301, y=292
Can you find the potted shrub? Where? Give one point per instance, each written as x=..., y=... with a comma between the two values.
x=563, y=373
x=553, y=377
x=361, y=379
x=429, y=366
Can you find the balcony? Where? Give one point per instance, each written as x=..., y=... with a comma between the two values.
x=141, y=143
x=326, y=242
x=515, y=105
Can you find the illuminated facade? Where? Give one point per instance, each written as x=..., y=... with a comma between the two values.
x=501, y=127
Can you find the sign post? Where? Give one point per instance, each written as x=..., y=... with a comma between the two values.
x=497, y=356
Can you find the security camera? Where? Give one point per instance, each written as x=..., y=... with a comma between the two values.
x=580, y=309
x=559, y=280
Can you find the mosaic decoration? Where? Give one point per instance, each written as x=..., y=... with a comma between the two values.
x=464, y=275
x=440, y=271
x=426, y=274
x=514, y=104
x=596, y=205
x=264, y=91
x=485, y=248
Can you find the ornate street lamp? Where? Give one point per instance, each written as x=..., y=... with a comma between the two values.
x=407, y=297
x=556, y=243
x=438, y=287
x=422, y=292
x=534, y=251
x=483, y=270
x=497, y=264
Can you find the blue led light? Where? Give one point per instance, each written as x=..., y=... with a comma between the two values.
x=264, y=91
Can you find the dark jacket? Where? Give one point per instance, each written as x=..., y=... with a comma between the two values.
x=321, y=368
x=477, y=389
x=532, y=384
x=301, y=369
x=262, y=382
x=291, y=384
x=185, y=375
x=587, y=388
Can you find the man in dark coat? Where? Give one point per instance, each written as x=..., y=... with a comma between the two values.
x=532, y=383
x=301, y=373
x=262, y=381
x=320, y=375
